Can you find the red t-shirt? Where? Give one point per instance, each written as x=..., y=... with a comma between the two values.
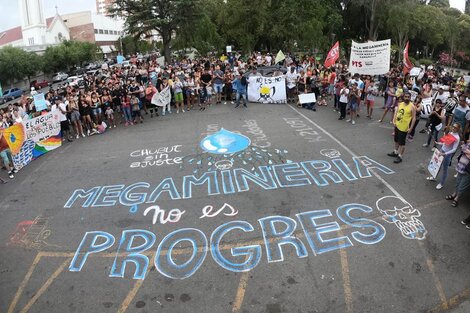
x=332, y=78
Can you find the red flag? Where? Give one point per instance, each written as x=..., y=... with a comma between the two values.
x=407, y=65
x=332, y=56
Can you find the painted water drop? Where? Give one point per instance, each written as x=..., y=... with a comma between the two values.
x=225, y=142
x=134, y=209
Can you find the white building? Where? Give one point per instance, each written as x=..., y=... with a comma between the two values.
x=35, y=33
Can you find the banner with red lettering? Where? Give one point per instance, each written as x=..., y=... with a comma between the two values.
x=332, y=56
x=370, y=58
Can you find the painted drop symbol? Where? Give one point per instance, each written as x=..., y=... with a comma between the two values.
x=225, y=142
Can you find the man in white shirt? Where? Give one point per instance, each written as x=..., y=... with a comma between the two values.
x=291, y=82
x=61, y=107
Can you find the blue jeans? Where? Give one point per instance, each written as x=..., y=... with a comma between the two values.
x=127, y=114
x=434, y=133
x=445, y=168
x=243, y=96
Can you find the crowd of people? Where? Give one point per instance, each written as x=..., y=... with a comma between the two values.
x=120, y=95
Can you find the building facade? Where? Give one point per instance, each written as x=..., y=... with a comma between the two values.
x=102, y=6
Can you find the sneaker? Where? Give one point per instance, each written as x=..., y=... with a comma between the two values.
x=430, y=178
x=463, y=222
x=88, y=132
x=341, y=118
x=456, y=174
x=177, y=111
x=114, y=126
x=76, y=137
x=398, y=160
x=353, y=122
x=14, y=170
x=10, y=174
x=182, y=111
x=348, y=120
x=225, y=102
x=392, y=154
x=83, y=135
x=231, y=102
x=439, y=186
x=425, y=145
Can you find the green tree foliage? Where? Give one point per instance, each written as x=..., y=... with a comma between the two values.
x=68, y=54
x=143, y=17
x=16, y=64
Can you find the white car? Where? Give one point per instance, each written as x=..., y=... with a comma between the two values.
x=58, y=77
x=74, y=81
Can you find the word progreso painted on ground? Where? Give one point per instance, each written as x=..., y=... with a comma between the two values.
x=157, y=156
x=260, y=139
x=296, y=174
x=319, y=233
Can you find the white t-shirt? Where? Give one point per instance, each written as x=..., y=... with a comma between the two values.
x=466, y=109
x=291, y=79
x=344, y=97
x=371, y=92
x=63, y=106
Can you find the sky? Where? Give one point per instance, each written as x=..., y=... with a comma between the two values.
x=11, y=18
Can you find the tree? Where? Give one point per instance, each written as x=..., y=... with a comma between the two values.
x=439, y=3
x=68, y=54
x=431, y=26
x=400, y=23
x=16, y=64
x=143, y=17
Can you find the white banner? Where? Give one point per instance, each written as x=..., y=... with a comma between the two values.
x=267, y=89
x=162, y=98
x=42, y=127
x=370, y=58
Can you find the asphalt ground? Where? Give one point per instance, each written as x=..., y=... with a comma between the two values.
x=342, y=261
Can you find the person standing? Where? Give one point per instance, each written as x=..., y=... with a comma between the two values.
x=462, y=181
x=5, y=155
x=149, y=92
x=205, y=81
x=239, y=84
x=404, y=120
x=218, y=84
x=343, y=101
x=354, y=99
x=461, y=115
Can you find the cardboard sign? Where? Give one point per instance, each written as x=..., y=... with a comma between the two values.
x=40, y=102
x=307, y=98
x=435, y=163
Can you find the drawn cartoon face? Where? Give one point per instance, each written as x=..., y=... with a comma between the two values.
x=397, y=211
x=330, y=153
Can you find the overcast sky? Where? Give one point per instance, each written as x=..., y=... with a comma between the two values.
x=10, y=17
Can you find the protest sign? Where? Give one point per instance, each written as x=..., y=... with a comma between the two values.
x=267, y=89
x=229, y=49
x=32, y=138
x=370, y=58
x=413, y=94
x=40, y=102
x=162, y=98
x=415, y=71
x=426, y=104
x=435, y=163
x=307, y=98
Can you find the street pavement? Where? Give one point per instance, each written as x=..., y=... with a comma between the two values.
x=142, y=219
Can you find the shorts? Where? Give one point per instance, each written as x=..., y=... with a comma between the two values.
x=331, y=89
x=353, y=106
x=6, y=156
x=218, y=88
x=64, y=126
x=97, y=111
x=75, y=116
x=400, y=137
x=178, y=96
x=370, y=103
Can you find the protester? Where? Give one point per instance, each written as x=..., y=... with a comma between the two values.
x=404, y=119
x=463, y=174
x=5, y=155
x=240, y=84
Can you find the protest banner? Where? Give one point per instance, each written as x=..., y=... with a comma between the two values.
x=435, y=163
x=32, y=138
x=40, y=102
x=307, y=98
x=162, y=98
x=267, y=89
x=370, y=58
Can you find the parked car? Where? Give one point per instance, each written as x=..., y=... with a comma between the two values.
x=39, y=84
x=11, y=94
x=58, y=77
x=74, y=81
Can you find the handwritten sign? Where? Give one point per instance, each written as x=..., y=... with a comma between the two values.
x=307, y=98
x=40, y=102
x=435, y=163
